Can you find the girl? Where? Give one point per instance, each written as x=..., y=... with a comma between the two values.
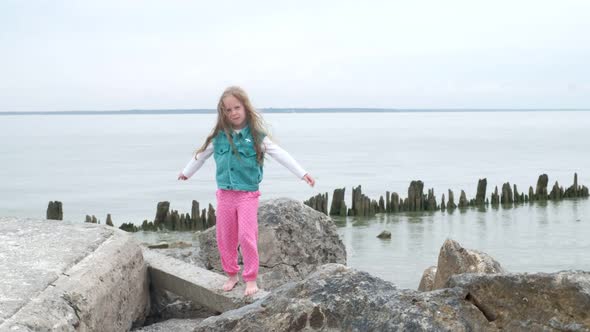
x=238, y=143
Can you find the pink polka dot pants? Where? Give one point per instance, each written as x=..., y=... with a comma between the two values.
x=237, y=223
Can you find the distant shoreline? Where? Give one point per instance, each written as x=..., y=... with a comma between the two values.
x=288, y=110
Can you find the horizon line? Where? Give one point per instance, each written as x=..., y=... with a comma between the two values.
x=290, y=110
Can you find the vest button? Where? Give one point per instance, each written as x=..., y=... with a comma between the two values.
x=231, y=169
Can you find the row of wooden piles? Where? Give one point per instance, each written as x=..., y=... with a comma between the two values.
x=166, y=218
x=362, y=205
x=417, y=200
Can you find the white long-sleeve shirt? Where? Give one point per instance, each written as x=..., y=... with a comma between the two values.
x=275, y=151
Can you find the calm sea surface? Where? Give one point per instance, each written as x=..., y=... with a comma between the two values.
x=126, y=164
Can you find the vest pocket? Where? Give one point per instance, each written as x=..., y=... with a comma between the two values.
x=223, y=149
x=249, y=169
x=247, y=152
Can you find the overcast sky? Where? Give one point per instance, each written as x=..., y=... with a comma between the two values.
x=117, y=54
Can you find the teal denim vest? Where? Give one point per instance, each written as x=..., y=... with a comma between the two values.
x=237, y=170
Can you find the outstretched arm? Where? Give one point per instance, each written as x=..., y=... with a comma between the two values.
x=285, y=159
x=195, y=163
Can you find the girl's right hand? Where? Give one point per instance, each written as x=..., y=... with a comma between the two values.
x=182, y=177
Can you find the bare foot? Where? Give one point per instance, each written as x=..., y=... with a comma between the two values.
x=230, y=283
x=251, y=288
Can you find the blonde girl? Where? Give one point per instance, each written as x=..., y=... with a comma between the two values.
x=238, y=143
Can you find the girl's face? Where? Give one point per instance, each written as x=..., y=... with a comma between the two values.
x=234, y=112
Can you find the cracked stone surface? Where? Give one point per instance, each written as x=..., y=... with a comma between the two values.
x=60, y=275
x=33, y=256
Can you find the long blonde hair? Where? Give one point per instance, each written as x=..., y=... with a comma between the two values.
x=257, y=125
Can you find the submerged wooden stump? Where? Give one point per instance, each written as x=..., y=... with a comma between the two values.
x=481, y=191
x=318, y=202
x=55, y=211
x=506, y=194
x=415, y=196
x=338, y=202
x=541, y=192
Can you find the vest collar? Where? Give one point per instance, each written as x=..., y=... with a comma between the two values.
x=244, y=132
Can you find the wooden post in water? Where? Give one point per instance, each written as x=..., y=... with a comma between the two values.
x=506, y=194
x=541, y=191
x=55, y=211
x=480, y=196
x=338, y=202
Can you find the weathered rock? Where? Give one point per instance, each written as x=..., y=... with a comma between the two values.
x=531, y=302
x=160, y=245
x=531, y=194
x=480, y=196
x=442, y=203
x=427, y=281
x=541, y=191
x=384, y=235
x=381, y=204
x=55, y=211
x=293, y=240
x=337, y=298
x=454, y=259
x=173, y=324
x=180, y=244
x=70, y=277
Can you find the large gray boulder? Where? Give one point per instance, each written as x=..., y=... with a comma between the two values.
x=530, y=302
x=427, y=281
x=454, y=259
x=338, y=298
x=293, y=240
x=65, y=276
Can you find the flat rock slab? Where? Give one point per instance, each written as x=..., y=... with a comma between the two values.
x=195, y=283
x=60, y=275
x=174, y=324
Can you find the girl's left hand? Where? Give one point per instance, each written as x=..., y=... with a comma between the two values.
x=309, y=179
